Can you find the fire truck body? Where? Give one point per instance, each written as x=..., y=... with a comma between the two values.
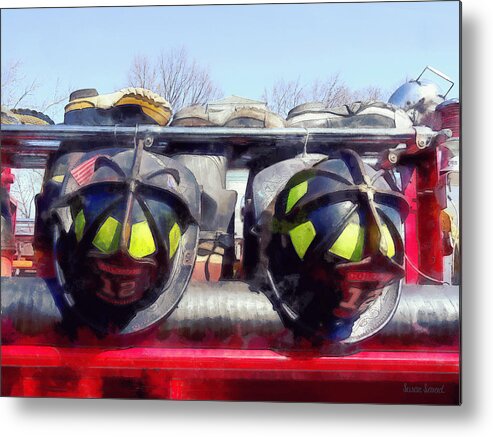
x=225, y=340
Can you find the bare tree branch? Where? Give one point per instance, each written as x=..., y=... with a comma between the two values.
x=283, y=95
x=142, y=74
x=17, y=90
x=331, y=91
x=179, y=79
x=53, y=105
x=369, y=93
x=27, y=184
x=27, y=91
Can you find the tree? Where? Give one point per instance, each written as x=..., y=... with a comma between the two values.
x=331, y=91
x=142, y=73
x=369, y=93
x=26, y=185
x=19, y=91
x=175, y=76
x=285, y=95
x=14, y=85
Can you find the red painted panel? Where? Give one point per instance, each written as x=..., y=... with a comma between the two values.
x=429, y=231
x=377, y=377
x=411, y=238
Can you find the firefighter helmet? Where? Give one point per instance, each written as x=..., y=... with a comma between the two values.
x=416, y=95
x=126, y=107
x=418, y=98
x=331, y=245
x=24, y=116
x=125, y=238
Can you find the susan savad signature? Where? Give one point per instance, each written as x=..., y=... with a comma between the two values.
x=424, y=389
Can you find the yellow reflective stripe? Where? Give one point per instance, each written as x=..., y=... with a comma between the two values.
x=358, y=250
x=295, y=194
x=302, y=236
x=159, y=114
x=141, y=240
x=349, y=244
x=174, y=239
x=58, y=178
x=106, y=240
x=78, y=105
x=389, y=240
x=79, y=224
x=31, y=119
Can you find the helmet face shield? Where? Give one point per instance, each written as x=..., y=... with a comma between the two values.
x=332, y=246
x=123, y=244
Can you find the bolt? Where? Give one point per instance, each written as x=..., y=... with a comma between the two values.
x=188, y=258
x=148, y=141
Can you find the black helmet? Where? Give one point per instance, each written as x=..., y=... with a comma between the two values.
x=331, y=244
x=126, y=238
x=419, y=97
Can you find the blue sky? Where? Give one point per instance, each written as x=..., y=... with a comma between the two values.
x=246, y=48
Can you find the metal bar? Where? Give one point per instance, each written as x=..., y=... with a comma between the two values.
x=427, y=317
x=205, y=135
x=26, y=146
x=27, y=161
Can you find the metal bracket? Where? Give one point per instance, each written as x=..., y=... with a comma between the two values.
x=425, y=137
x=395, y=153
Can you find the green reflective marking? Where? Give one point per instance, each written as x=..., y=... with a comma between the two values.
x=347, y=244
x=302, y=236
x=389, y=240
x=174, y=239
x=58, y=178
x=358, y=250
x=141, y=240
x=106, y=240
x=80, y=223
x=295, y=194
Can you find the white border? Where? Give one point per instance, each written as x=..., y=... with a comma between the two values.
x=77, y=418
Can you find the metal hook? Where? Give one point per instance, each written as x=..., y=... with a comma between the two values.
x=306, y=142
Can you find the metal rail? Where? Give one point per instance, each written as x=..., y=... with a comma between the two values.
x=205, y=135
x=27, y=146
x=211, y=314
x=24, y=227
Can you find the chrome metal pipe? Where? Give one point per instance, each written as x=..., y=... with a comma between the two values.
x=351, y=136
x=211, y=314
